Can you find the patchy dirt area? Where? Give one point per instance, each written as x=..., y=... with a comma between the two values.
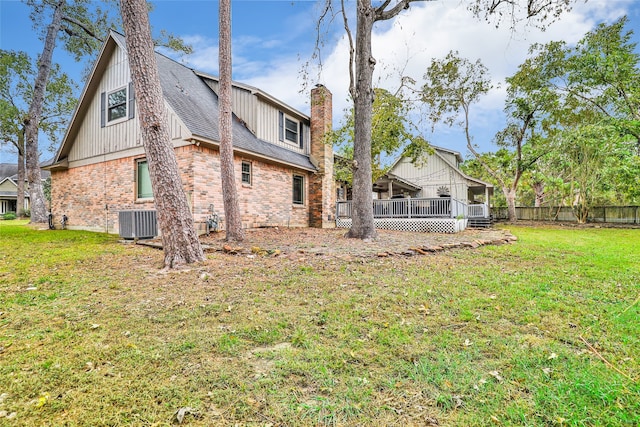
x=332, y=242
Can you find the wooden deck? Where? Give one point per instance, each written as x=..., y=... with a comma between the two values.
x=435, y=215
x=442, y=207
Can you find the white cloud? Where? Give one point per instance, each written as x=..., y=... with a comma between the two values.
x=404, y=46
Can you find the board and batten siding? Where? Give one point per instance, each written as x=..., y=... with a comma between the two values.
x=268, y=125
x=433, y=174
x=262, y=117
x=92, y=140
x=243, y=102
x=450, y=157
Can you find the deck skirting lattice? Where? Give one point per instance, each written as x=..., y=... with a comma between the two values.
x=421, y=225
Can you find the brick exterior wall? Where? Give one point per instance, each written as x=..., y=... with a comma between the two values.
x=267, y=202
x=322, y=190
x=91, y=196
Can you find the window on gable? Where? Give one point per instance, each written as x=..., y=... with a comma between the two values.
x=117, y=104
x=289, y=130
x=246, y=173
x=298, y=189
x=143, y=180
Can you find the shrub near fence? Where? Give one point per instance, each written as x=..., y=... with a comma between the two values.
x=610, y=214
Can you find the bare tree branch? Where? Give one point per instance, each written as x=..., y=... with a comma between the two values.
x=352, y=51
x=84, y=28
x=383, y=15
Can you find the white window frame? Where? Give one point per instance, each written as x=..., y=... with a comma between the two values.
x=283, y=120
x=295, y=132
x=293, y=190
x=249, y=173
x=137, y=179
x=126, y=105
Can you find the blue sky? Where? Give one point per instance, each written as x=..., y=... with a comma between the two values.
x=272, y=40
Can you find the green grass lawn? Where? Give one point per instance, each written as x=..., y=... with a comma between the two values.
x=542, y=332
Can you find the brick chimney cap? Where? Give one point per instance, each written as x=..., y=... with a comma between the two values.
x=318, y=85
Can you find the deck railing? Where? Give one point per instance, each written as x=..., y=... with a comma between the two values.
x=478, y=211
x=441, y=207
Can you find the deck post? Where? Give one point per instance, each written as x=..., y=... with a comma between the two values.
x=451, y=207
x=487, y=203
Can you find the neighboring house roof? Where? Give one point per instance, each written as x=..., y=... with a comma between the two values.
x=8, y=179
x=10, y=170
x=195, y=103
x=10, y=193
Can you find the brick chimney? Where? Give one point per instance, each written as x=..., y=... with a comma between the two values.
x=322, y=189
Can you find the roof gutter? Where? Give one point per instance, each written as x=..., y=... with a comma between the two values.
x=199, y=140
x=57, y=166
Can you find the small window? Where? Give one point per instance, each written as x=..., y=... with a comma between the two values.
x=288, y=129
x=143, y=180
x=298, y=190
x=246, y=173
x=291, y=130
x=117, y=104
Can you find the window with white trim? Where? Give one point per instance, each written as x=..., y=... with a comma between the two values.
x=143, y=180
x=298, y=189
x=116, y=104
x=290, y=130
x=246, y=173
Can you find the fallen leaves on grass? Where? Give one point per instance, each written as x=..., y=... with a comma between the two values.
x=182, y=412
x=496, y=375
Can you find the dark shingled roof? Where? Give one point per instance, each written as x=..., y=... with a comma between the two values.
x=7, y=170
x=10, y=170
x=197, y=106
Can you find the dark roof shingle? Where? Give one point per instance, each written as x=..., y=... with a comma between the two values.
x=197, y=106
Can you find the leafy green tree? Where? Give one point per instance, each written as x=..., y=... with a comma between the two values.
x=362, y=64
x=596, y=111
x=17, y=74
x=75, y=24
x=391, y=135
x=594, y=159
x=603, y=74
x=80, y=26
x=453, y=85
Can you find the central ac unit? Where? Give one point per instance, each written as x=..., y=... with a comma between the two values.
x=138, y=224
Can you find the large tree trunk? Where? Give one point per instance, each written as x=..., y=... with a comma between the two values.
x=362, y=226
x=32, y=122
x=179, y=239
x=538, y=188
x=21, y=176
x=510, y=195
x=233, y=219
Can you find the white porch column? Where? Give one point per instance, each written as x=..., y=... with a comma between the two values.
x=487, y=202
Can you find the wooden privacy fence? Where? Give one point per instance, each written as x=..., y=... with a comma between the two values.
x=611, y=214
